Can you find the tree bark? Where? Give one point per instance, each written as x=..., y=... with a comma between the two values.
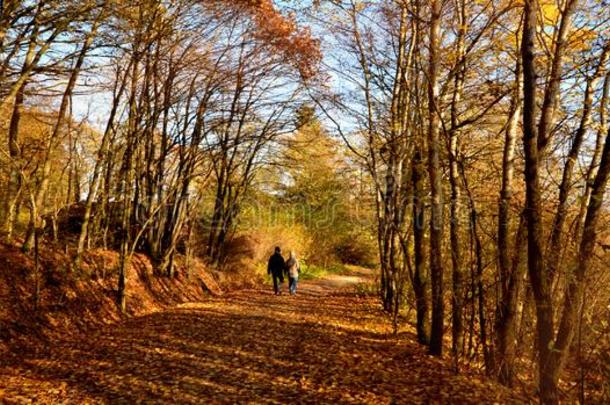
x=556, y=239
x=594, y=165
x=457, y=296
x=420, y=277
x=434, y=172
x=533, y=210
x=505, y=311
x=14, y=186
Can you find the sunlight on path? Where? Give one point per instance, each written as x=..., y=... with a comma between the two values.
x=324, y=345
x=331, y=282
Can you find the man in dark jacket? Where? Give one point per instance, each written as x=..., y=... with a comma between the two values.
x=276, y=268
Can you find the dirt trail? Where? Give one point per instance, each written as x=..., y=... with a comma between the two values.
x=324, y=345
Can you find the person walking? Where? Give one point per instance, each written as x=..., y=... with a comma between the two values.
x=275, y=268
x=293, y=268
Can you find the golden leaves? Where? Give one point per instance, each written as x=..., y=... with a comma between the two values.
x=550, y=11
x=582, y=39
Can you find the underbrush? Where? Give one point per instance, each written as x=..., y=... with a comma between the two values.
x=244, y=274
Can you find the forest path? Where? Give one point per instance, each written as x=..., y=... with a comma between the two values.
x=324, y=345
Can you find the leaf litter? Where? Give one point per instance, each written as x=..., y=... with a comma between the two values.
x=324, y=345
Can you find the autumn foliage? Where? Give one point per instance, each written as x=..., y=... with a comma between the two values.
x=460, y=149
x=282, y=33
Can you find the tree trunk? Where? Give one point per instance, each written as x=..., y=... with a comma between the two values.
x=51, y=143
x=97, y=170
x=593, y=166
x=556, y=239
x=505, y=311
x=538, y=276
x=14, y=186
x=551, y=92
x=434, y=172
x=573, y=300
x=457, y=296
x=420, y=277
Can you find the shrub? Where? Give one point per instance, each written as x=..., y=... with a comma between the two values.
x=358, y=249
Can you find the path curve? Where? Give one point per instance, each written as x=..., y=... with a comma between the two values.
x=324, y=345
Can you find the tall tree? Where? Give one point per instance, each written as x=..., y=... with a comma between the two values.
x=436, y=188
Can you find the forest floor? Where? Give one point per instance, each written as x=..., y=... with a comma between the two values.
x=327, y=344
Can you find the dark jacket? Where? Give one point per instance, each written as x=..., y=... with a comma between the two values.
x=276, y=265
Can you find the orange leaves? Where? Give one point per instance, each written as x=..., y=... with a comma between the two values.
x=282, y=33
x=325, y=345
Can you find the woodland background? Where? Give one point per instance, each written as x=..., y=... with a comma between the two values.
x=460, y=148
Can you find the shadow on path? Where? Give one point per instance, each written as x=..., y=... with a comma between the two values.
x=324, y=345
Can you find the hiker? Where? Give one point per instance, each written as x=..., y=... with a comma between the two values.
x=275, y=268
x=293, y=268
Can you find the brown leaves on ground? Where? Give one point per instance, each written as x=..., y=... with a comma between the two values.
x=74, y=301
x=324, y=345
